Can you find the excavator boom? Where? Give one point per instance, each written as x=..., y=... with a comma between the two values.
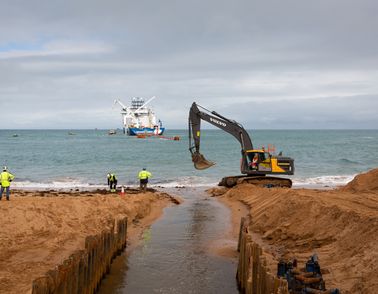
x=214, y=118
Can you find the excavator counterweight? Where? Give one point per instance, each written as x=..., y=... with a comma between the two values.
x=255, y=163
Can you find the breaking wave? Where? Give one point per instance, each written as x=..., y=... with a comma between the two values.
x=323, y=181
x=56, y=185
x=69, y=184
x=188, y=181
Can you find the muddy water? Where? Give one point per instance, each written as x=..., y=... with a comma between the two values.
x=175, y=255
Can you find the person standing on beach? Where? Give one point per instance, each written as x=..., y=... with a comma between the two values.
x=143, y=178
x=5, y=179
x=112, y=182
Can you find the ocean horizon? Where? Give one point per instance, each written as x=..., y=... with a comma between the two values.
x=81, y=158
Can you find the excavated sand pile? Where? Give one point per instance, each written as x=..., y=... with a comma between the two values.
x=37, y=233
x=341, y=226
x=367, y=182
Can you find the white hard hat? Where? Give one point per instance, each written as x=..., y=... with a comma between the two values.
x=4, y=168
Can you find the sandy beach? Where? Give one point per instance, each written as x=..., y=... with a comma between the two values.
x=39, y=229
x=340, y=225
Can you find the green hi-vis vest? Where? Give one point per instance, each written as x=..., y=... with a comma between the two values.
x=112, y=177
x=144, y=175
x=5, y=179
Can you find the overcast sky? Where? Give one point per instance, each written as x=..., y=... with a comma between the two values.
x=267, y=64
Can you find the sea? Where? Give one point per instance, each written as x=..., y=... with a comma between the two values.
x=81, y=159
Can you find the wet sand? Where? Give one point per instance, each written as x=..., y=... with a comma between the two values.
x=39, y=229
x=340, y=225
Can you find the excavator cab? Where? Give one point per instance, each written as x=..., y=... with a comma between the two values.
x=263, y=162
x=258, y=160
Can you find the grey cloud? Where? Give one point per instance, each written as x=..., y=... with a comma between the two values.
x=220, y=52
x=357, y=112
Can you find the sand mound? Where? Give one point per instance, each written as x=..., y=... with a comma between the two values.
x=363, y=182
x=341, y=226
x=217, y=191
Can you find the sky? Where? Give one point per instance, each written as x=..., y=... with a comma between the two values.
x=274, y=64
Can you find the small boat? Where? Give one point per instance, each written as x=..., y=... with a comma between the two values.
x=175, y=138
x=71, y=134
x=112, y=132
x=15, y=135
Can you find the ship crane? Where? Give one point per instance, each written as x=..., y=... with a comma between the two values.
x=124, y=108
x=127, y=114
x=144, y=105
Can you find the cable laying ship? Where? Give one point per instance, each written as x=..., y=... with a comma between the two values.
x=138, y=119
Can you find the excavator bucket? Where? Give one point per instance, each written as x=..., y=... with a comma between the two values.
x=200, y=162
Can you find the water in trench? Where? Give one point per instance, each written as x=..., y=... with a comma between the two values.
x=174, y=255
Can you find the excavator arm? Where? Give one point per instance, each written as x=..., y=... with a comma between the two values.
x=230, y=126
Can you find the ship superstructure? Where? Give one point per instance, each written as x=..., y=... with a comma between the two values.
x=140, y=119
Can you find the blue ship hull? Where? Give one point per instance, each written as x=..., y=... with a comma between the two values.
x=142, y=131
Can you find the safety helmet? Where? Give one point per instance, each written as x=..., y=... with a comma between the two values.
x=144, y=168
x=4, y=168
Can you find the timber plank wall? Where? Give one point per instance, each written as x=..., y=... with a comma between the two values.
x=253, y=275
x=83, y=270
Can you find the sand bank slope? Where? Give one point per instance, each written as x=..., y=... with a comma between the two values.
x=366, y=182
x=39, y=232
x=340, y=225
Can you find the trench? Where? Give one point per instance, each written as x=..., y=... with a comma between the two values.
x=176, y=254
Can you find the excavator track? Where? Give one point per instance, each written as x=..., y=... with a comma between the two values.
x=261, y=181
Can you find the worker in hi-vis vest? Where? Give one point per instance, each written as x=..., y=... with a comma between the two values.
x=5, y=179
x=112, y=182
x=143, y=178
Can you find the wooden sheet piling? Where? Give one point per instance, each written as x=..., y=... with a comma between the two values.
x=82, y=271
x=253, y=275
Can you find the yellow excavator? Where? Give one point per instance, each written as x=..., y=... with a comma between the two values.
x=255, y=165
